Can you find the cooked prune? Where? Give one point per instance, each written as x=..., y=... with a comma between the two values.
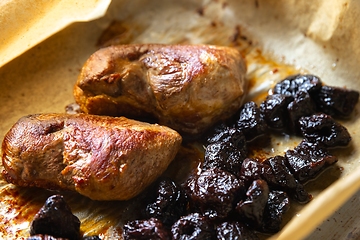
x=274, y=111
x=193, y=226
x=293, y=84
x=216, y=134
x=277, y=205
x=307, y=160
x=252, y=208
x=283, y=179
x=302, y=105
x=250, y=121
x=252, y=169
x=234, y=231
x=214, y=193
x=56, y=219
x=44, y=237
x=227, y=153
x=169, y=202
x=324, y=129
x=92, y=238
x=145, y=229
x=337, y=102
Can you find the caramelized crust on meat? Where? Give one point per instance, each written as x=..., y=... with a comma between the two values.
x=103, y=158
x=185, y=87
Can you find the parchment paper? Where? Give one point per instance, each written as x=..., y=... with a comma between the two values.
x=45, y=43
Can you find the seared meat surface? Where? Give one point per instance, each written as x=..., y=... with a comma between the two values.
x=185, y=87
x=103, y=158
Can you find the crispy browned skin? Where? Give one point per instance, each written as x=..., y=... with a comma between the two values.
x=185, y=87
x=103, y=158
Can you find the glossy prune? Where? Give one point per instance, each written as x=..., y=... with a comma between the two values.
x=302, y=105
x=283, y=179
x=92, y=238
x=216, y=133
x=252, y=169
x=337, y=102
x=169, y=202
x=56, y=219
x=226, y=153
x=277, y=205
x=214, y=193
x=324, y=129
x=146, y=229
x=293, y=84
x=250, y=121
x=234, y=231
x=43, y=237
x=193, y=226
x=307, y=160
x=274, y=111
x=252, y=208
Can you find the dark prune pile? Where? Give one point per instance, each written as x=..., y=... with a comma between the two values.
x=56, y=221
x=169, y=203
x=228, y=152
x=232, y=196
x=146, y=229
x=234, y=230
x=324, y=129
x=211, y=200
x=193, y=226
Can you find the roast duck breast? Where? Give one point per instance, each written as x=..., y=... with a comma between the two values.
x=185, y=87
x=103, y=158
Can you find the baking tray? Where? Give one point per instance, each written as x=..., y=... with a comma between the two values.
x=277, y=38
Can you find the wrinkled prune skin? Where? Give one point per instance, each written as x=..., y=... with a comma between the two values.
x=274, y=111
x=217, y=133
x=214, y=193
x=277, y=205
x=308, y=160
x=337, y=102
x=146, y=229
x=252, y=208
x=291, y=85
x=92, y=238
x=302, y=105
x=169, y=203
x=250, y=122
x=44, y=237
x=234, y=231
x=193, y=227
x=227, y=153
x=56, y=219
x=282, y=179
x=324, y=129
x=252, y=169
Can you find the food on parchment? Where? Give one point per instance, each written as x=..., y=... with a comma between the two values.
x=335, y=101
x=185, y=87
x=324, y=129
x=103, y=158
x=234, y=194
x=307, y=160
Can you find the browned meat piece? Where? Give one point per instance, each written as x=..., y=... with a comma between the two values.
x=185, y=87
x=103, y=158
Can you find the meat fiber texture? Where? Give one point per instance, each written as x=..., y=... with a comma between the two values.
x=319, y=36
x=103, y=158
x=186, y=87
